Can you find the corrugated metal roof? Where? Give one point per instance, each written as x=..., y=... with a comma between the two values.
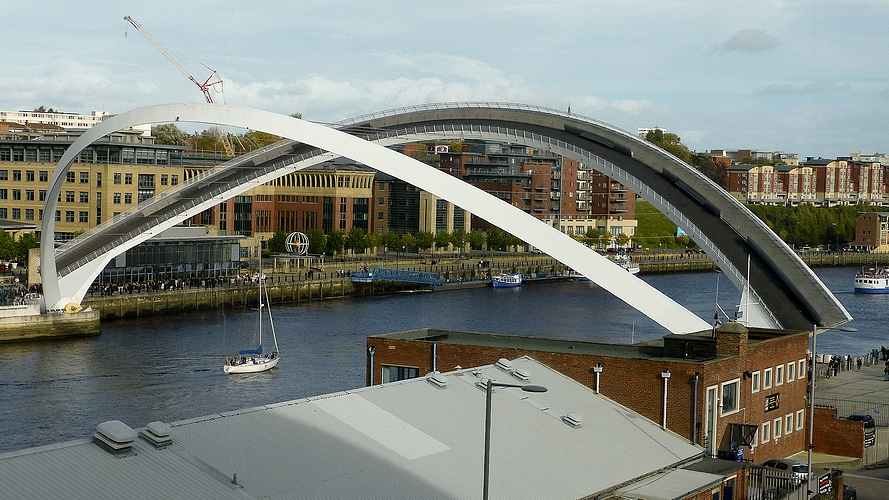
x=409, y=439
x=671, y=485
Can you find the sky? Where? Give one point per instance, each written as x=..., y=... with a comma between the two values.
x=809, y=77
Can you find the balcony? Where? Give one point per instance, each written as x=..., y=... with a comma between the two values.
x=617, y=187
x=540, y=187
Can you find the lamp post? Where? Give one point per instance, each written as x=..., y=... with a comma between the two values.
x=491, y=384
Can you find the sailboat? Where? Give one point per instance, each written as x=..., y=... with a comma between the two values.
x=253, y=360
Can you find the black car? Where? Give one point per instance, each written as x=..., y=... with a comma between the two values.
x=867, y=419
x=849, y=493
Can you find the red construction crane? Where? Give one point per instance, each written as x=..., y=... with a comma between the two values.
x=210, y=83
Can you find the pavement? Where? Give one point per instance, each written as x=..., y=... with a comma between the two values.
x=853, y=386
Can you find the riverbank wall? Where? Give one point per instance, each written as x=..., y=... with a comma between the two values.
x=333, y=281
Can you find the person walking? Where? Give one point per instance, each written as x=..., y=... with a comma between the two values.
x=858, y=362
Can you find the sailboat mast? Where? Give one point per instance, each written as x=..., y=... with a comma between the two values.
x=261, y=287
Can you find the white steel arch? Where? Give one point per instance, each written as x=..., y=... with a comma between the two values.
x=633, y=291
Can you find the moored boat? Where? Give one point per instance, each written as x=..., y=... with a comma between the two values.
x=629, y=265
x=874, y=279
x=506, y=280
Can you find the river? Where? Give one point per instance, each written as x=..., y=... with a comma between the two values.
x=170, y=368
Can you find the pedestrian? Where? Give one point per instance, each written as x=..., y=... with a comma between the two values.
x=858, y=362
x=836, y=366
x=886, y=371
x=849, y=363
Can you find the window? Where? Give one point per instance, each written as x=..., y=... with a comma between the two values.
x=163, y=179
x=29, y=194
x=3, y=194
x=84, y=197
x=69, y=215
x=16, y=194
x=84, y=216
x=16, y=213
x=801, y=369
x=43, y=176
x=117, y=178
x=791, y=371
x=4, y=175
x=128, y=198
x=29, y=214
x=776, y=428
x=116, y=198
x=766, y=434
x=69, y=177
x=98, y=179
x=16, y=175
x=174, y=180
x=84, y=177
x=396, y=373
x=730, y=393
x=800, y=419
x=69, y=196
x=779, y=375
x=754, y=382
x=128, y=178
x=788, y=423
x=29, y=175
x=767, y=378
x=58, y=215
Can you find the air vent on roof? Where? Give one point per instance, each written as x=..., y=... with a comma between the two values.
x=572, y=419
x=521, y=374
x=438, y=380
x=504, y=364
x=158, y=434
x=115, y=437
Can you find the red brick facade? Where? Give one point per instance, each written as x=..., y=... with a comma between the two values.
x=837, y=436
x=637, y=383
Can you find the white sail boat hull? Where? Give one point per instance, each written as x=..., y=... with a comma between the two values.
x=252, y=365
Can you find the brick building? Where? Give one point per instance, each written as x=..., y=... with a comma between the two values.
x=718, y=390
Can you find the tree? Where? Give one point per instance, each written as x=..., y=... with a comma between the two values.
x=476, y=239
x=206, y=141
x=392, y=240
x=622, y=239
x=443, y=239
x=26, y=242
x=8, y=246
x=408, y=240
x=372, y=241
x=683, y=240
x=317, y=241
x=276, y=243
x=169, y=133
x=458, y=239
x=671, y=143
x=590, y=238
x=705, y=164
x=356, y=240
x=425, y=240
x=335, y=241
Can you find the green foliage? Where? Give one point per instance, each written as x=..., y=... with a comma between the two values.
x=458, y=238
x=335, y=242
x=276, y=243
x=442, y=239
x=356, y=240
x=8, y=247
x=705, y=164
x=590, y=238
x=408, y=241
x=425, y=240
x=671, y=143
x=26, y=242
x=391, y=240
x=622, y=239
x=317, y=241
x=499, y=239
x=807, y=225
x=476, y=239
x=169, y=133
x=749, y=160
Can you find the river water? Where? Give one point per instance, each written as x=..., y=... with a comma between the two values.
x=170, y=368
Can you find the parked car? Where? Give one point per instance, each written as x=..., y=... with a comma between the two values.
x=849, y=493
x=863, y=417
x=799, y=471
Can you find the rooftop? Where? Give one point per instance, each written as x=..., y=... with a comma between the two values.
x=417, y=438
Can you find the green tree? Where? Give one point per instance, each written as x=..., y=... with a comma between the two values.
x=425, y=240
x=356, y=240
x=169, y=133
x=317, y=241
x=207, y=141
x=408, y=240
x=392, y=240
x=276, y=244
x=335, y=242
x=590, y=238
x=8, y=246
x=496, y=238
x=442, y=239
x=372, y=241
x=683, y=240
x=458, y=239
x=622, y=239
x=671, y=143
x=476, y=239
x=705, y=164
x=26, y=242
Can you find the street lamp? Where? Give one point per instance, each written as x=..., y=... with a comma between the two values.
x=491, y=384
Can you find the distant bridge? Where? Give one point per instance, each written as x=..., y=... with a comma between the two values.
x=782, y=291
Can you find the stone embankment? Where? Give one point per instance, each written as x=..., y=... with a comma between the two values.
x=332, y=282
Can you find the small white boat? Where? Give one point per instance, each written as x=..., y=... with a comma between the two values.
x=506, y=280
x=253, y=360
x=628, y=264
x=872, y=280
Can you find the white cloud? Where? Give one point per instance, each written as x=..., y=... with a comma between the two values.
x=747, y=40
x=631, y=106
